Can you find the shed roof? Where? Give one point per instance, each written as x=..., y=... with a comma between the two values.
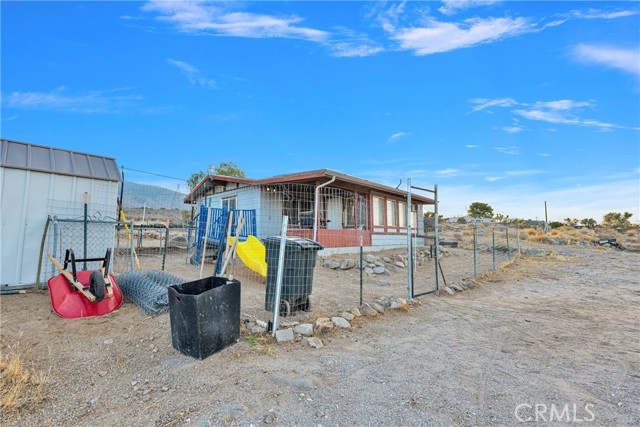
x=310, y=177
x=25, y=156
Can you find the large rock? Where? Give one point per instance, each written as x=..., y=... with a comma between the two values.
x=367, y=310
x=368, y=270
x=379, y=263
x=347, y=315
x=398, y=303
x=284, y=335
x=305, y=329
x=377, y=307
x=449, y=290
x=370, y=259
x=257, y=329
x=355, y=312
x=380, y=270
x=332, y=264
x=315, y=342
x=386, y=259
x=347, y=264
x=399, y=258
x=341, y=322
x=399, y=264
x=383, y=282
x=324, y=324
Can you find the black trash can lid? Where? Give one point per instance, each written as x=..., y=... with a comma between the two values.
x=299, y=243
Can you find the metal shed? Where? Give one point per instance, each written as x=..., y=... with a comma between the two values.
x=37, y=182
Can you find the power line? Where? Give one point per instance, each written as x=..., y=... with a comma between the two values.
x=156, y=174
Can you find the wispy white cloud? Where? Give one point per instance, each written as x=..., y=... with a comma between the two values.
x=348, y=43
x=438, y=37
x=627, y=60
x=388, y=16
x=526, y=172
x=513, y=129
x=449, y=172
x=193, y=74
x=488, y=103
x=601, y=14
x=563, y=111
x=350, y=50
x=543, y=154
x=451, y=7
x=514, y=173
x=113, y=101
x=217, y=19
x=563, y=104
x=552, y=116
x=493, y=178
x=514, y=151
x=471, y=146
x=396, y=136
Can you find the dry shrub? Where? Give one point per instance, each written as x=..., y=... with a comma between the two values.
x=21, y=386
x=531, y=231
x=555, y=233
x=458, y=236
x=631, y=233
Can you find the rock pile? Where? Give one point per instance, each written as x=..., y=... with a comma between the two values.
x=310, y=333
x=374, y=265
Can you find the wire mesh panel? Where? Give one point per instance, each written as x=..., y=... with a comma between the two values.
x=89, y=239
x=472, y=248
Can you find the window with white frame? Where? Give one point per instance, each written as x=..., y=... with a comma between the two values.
x=230, y=203
x=378, y=211
x=414, y=216
x=392, y=213
x=403, y=214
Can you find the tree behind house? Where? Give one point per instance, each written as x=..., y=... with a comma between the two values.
x=223, y=168
x=480, y=210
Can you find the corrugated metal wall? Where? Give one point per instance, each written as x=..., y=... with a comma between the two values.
x=26, y=198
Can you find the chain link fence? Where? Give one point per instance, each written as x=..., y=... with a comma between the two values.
x=343, y=247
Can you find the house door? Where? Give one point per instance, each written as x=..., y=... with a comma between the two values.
x=334, y=213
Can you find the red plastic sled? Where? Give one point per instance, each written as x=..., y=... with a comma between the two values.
x=70, y=294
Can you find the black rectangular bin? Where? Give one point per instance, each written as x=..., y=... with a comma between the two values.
x=205, y=315
x=297, y=278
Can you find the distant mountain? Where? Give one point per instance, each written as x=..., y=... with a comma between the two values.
x=154, y=197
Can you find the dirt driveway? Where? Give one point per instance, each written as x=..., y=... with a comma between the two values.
x=554, y=331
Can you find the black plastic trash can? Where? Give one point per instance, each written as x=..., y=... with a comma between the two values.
x=205, y=315
x=297, y=278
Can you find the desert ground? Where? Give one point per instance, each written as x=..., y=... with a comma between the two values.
x=553, y=330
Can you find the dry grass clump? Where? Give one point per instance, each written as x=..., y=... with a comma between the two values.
x=458, y=236
x=21, y=386
x=260, y=342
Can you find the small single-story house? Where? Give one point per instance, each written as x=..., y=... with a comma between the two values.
x=330, y=207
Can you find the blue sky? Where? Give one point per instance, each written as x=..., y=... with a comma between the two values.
x=509, y=103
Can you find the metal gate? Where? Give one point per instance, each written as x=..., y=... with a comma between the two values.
x=424, y=264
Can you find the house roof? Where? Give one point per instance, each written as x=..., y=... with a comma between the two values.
x=310, y=177
x=39, y=158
